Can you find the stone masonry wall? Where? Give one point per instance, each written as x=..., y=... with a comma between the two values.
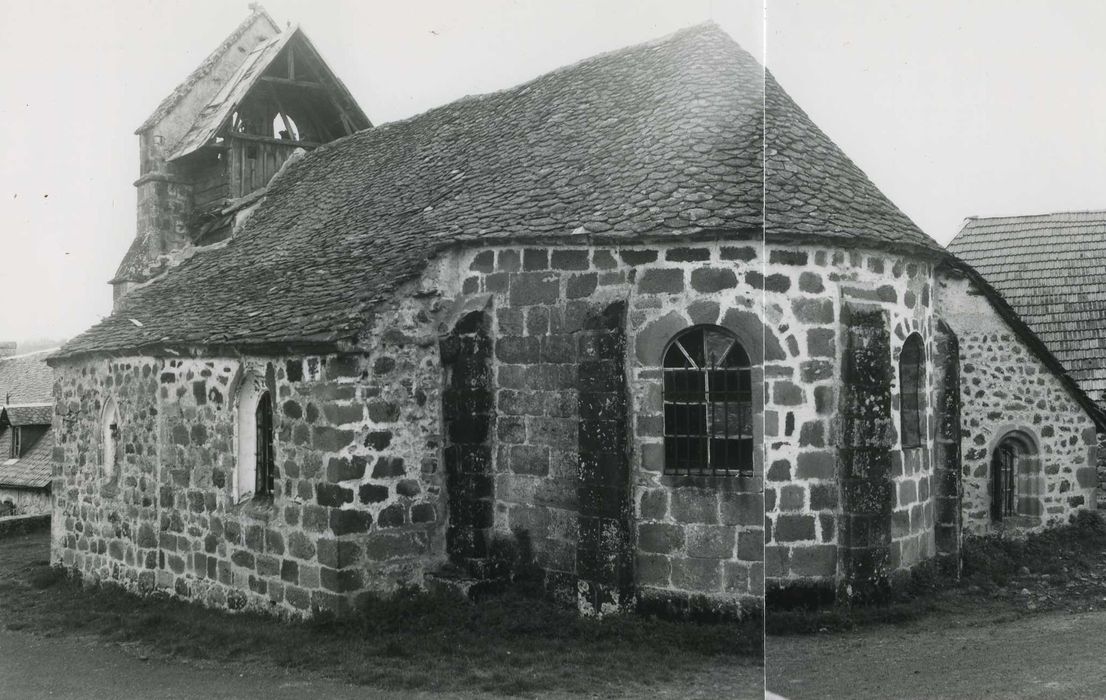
x=1005, y=388
x=694, y=539
x=806, y=289
x=358, y=501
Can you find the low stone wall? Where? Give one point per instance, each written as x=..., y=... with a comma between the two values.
x=22, y=524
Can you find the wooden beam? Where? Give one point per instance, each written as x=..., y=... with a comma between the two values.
x=306, y=84
x=270, y=139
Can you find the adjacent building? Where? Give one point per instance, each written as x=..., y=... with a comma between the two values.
x=26, y=436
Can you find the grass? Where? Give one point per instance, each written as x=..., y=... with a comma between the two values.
x=510, y=644
x=1007, y=578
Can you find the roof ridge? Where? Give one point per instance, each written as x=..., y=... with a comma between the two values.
x=173, y=98
x=37, y=404
x=1035, y=216
x=690, y=30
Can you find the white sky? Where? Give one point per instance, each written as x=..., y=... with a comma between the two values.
x=953, y=108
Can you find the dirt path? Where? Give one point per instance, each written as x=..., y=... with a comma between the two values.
x=1050, y=655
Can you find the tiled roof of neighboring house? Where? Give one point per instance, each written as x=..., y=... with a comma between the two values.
x=258, y=14
x=27, y=414
x=33, y=469
x=1050, y=269
x=660, y=139
x=26, y=378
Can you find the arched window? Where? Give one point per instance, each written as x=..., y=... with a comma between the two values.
x=708, y=404
x=912, y=388
x=255, y=474
x=109, y=441
x=1014, y=468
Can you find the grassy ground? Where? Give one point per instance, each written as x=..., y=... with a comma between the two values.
x=510, y=644
x=1061, y=568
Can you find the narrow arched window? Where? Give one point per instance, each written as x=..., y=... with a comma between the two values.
x=1014, y=466
x=708, y=404
x=912, y=384
x=109, y=441
x=263, y=461
x=255, y=473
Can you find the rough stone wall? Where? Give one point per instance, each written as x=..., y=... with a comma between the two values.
x=1004, y=388
x=358, y=487
x=25, y=501
x=694, y=539
x=806, y=289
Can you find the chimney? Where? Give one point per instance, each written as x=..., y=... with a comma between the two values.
x=7, y=349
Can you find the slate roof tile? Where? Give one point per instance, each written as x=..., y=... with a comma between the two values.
x=33, y=469
x=1049, y=268
x=26, y=379
x=661, y=139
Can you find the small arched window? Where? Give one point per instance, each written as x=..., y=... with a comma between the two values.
x=255, y=474
x=912, y=387
x=708, y=404
x=109, y=441
x=1014, y=468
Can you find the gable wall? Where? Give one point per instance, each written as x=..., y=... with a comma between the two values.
x=1005, y=387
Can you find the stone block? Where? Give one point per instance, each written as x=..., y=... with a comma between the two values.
x=654, y=504
x=653, y=570
x=711, y=280
x=694, y=505
x=535, y=259
x=820, y=464
x=659, y=538
x=332, y=495
x=713, y=541
x=745, y=509
x=347, y=521
x=661, y=281
x=787, y=257
x=638, y=257
x=814, y=560
x=531, y=288
x=327, y=439
x=699, y=575
x=569, y=260
x=742, y=253
x=794, y=528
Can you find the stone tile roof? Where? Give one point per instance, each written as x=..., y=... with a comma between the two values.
x=812, y=188
x=33, y=469
x=1049, y=268
x=659, y=139
x=27, y=414
x=26, y=379
x=257, y=14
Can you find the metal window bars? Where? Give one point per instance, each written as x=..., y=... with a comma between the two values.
x=708, y=407
x=1003, y=467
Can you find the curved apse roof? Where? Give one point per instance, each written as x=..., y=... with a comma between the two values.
x=663, y=139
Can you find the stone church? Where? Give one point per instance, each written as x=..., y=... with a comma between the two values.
x=637, y=321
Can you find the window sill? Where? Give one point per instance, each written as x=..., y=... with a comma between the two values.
x=257, y=507
x=736, y=482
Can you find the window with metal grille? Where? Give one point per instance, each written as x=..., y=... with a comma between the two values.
x=912, y=381
x=1014, y=463
x=708, y=404
x=265, y=454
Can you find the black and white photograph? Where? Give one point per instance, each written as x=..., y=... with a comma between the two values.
x=521, y=348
